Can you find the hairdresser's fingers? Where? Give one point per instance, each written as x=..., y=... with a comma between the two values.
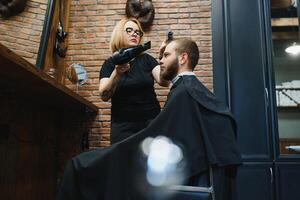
x=162, y=46
x=161, y=53
x=162, y=49
x=126, y=68
x=122, y=68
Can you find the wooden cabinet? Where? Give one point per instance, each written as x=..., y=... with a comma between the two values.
x=254, y=181
x=42, y=124
x=246, y=78
x=288, y=176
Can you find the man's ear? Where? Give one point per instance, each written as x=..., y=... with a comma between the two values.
x=183, y=58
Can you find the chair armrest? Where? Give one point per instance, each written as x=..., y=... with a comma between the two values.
x=186, y=188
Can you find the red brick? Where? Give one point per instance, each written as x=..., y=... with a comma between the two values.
x=90, y=27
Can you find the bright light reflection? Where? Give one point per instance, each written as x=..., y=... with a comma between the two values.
x=294, y=49
x=176, y=154
x=156, y=179
x=163, y=158
x=146, y=145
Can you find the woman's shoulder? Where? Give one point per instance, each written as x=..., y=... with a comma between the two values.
x=145, y=57
x=107, y=68
x=108, y=62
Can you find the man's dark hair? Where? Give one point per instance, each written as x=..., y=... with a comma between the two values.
x=184, y=45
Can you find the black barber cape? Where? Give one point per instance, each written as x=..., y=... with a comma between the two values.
x=192, y=117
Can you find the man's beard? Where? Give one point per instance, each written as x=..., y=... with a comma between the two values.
x=170, y=72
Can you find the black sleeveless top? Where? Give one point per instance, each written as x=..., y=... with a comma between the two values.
x=134, y=98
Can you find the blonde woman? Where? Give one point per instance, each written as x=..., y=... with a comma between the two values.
x=130, y=86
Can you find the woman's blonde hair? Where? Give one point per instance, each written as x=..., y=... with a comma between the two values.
x=117, y=38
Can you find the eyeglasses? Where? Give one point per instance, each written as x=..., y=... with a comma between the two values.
x=130, y=31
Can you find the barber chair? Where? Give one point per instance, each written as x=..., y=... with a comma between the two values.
x=205, y=186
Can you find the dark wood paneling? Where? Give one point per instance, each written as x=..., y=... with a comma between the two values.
x=288, y=176
x=42, y=124
x=37, y=144
x=254, y=182
x=241, y=71
x=247, y=73
x=244, y=77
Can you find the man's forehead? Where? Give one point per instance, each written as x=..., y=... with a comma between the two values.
x=171, y=47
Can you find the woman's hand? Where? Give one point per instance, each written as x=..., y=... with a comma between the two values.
x=122, y=68
x=162, y=49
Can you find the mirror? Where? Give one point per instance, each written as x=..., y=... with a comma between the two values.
x=76, y=74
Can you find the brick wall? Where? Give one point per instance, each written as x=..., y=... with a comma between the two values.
x=22, y=33
x=91, y=24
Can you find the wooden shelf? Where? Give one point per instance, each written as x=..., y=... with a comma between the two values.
x=288, y=109
x=283, y=142
x=287, y=88
x=21, y=79
x=285, y=21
